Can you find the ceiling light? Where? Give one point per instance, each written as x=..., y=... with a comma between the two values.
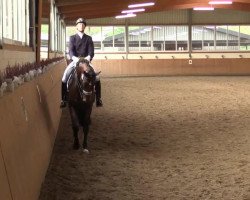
x=133, y=10
x=134, y=33
x=157, y=27
x=203, y=8
x=210, y=27
x=219, y=2
x=125, y=16
x=141, y=5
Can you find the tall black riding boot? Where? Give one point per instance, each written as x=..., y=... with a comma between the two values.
x=98, y=94
x=64, y=94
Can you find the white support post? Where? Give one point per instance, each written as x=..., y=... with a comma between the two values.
x=1, y=24
x=126, y=38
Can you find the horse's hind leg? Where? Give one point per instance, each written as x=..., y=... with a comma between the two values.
x=76, y=144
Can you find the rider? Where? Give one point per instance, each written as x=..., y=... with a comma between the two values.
x=80, y=45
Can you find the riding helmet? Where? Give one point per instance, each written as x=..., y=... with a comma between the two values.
x=81, y=20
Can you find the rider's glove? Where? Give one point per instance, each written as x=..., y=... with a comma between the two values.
x=87, y=58
x=75, y=59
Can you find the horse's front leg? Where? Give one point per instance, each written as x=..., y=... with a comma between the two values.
x=85, y=139
x=76, y=144
x=86, y=128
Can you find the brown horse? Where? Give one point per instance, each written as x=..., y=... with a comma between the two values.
x=81, y=87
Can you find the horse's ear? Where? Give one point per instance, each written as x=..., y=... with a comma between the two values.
x=97, y=73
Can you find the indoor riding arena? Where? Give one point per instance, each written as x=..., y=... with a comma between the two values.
x=174, y=123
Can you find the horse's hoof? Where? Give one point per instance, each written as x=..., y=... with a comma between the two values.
x=85, y=151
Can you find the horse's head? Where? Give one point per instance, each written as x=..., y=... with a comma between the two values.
x=86, y=80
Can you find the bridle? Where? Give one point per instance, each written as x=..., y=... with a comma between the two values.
x=84, y=76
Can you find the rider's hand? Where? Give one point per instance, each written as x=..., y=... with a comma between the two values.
x=75, y=59
x=87, y=58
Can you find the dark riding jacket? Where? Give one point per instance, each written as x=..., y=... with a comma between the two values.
x=81, y=47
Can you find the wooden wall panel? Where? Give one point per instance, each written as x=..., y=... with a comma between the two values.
x=27, y=142
x=173, y=67
x=4, y=185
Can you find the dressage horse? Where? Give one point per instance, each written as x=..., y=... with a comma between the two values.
x=81, y=95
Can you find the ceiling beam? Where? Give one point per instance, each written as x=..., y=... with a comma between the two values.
x=236, y=6
x=70, y=3
x=84, y=10
x=121, y=5
x=72, y=9
x=104, y=11
x=91, y=15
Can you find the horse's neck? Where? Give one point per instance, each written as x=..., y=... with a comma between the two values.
x=73, y=81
